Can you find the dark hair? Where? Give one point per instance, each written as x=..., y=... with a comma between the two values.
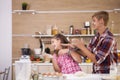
x=61, y=37
x=102, y=15
x=63, y=40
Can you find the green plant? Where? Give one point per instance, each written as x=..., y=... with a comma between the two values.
x=24, y=5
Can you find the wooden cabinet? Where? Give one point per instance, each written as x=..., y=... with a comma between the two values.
x=44, y=69
x=48, y=67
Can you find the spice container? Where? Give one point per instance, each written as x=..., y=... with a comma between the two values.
x=71, y=30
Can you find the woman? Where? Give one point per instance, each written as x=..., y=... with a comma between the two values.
x=64, y=59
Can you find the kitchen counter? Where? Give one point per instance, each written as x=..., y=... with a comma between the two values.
x=48, y=67
x=50, y=64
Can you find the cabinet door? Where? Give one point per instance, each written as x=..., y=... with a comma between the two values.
x=118, y=69
x=89, y=69
x=44, y=69
x=84, y=68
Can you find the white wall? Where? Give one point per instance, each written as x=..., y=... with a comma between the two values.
x=5, y=34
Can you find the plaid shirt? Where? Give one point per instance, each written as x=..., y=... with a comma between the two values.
x=66, y=63
x=105, y=50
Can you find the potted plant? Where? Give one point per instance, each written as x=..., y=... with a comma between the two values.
x=24, y=6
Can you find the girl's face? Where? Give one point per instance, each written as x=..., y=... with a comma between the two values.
x=56, y=43
x=96, y=23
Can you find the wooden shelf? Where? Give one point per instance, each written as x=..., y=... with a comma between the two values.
x=65, y=35
x=62, y=11
x=21, y=35
x=30, y=35
x=23, y=11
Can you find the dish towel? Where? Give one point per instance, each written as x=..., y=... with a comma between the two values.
x=22, y=70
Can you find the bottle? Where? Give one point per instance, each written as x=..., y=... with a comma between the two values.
x=48, y=30
x=92, y=31
x=35, y=76
x=71, y=30
x=88, y=31
x=118, y=56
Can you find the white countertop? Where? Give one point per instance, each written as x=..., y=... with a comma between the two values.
x=50, y=64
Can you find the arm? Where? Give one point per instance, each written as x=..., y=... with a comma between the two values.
x=55, y=65
x=80, y=44
x=75, y=56
x=89, y=54
x=101, y=52
x=72, y=52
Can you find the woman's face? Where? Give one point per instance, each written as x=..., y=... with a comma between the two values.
x=56, y=43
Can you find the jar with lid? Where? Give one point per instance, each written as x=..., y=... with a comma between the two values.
x=83, y=31
x=87, y=26
x=54, y=30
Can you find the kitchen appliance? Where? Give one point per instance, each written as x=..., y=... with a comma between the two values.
x=26, y=51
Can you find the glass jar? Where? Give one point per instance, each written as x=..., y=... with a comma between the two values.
x=83, y=31
x=54, y=30
x=48, y=30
